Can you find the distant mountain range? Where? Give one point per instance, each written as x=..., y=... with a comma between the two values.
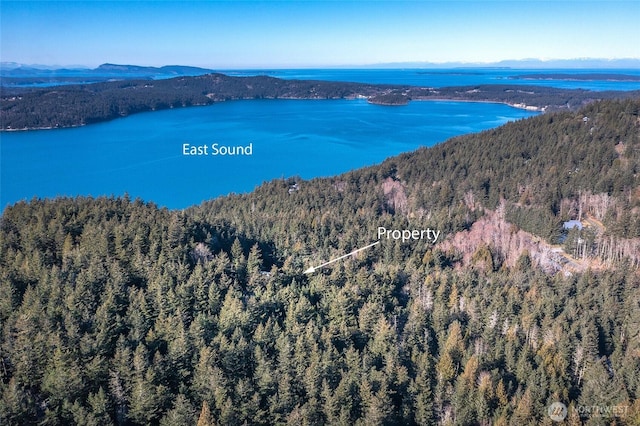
x=15, y=70
x=14, y=75
x=584, y=63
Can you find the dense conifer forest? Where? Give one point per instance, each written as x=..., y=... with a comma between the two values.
x=116, y=311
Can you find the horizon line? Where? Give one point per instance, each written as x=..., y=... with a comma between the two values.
x=401, y=64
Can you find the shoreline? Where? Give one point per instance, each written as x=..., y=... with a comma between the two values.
x=518, y=106
x=348, y=98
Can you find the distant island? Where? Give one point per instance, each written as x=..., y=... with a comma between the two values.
x=17, y=75
x=81, y=104
x=577, y=77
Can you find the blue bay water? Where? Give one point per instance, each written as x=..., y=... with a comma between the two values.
x=600, y=78
x=142, y=154
x=562, y=78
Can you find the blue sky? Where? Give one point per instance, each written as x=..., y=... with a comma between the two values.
x=270, y=34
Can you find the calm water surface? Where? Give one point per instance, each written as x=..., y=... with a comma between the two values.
x=142, y=155
x=599, y=79
x=559, y=78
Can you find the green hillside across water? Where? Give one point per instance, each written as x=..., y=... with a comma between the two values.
x=114, y=311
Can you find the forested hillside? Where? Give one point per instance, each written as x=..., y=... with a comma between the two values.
x=115, y=311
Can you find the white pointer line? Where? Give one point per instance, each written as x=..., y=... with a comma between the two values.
x=314, y=268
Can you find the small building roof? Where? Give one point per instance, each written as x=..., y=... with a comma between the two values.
x=572, y=224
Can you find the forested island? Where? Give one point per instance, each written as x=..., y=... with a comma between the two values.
x=18, y=76
x=577, y=77
x=77, y=105
x=115, y=311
